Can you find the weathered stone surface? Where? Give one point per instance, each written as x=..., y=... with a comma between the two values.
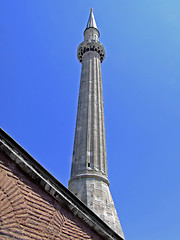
x=89, y=179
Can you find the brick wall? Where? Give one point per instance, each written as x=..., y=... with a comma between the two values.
x=28, y=212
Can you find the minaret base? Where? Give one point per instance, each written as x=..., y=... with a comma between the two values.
x=96, y=195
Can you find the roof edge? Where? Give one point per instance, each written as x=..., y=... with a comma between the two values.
x=52, y=186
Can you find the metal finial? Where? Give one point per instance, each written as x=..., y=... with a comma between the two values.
x=91, y=10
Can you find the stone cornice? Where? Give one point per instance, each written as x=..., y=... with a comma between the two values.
x=51, y=185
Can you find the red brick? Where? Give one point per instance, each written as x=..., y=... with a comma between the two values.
x=28, y=212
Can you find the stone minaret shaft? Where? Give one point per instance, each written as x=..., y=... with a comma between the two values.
x=89, y=179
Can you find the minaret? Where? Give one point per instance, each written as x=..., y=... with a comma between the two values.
x=89, y=179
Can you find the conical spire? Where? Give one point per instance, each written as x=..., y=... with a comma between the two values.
x=91, y=22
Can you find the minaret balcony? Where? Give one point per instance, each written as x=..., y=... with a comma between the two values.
x=90, y=46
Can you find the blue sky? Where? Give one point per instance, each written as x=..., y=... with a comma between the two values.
x=39, y=82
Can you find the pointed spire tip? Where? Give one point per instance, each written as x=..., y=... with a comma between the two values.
x=91, y=22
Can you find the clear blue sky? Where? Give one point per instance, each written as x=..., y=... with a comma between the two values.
x=39, y=82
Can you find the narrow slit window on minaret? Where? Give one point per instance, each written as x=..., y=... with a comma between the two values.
x=88, y=164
